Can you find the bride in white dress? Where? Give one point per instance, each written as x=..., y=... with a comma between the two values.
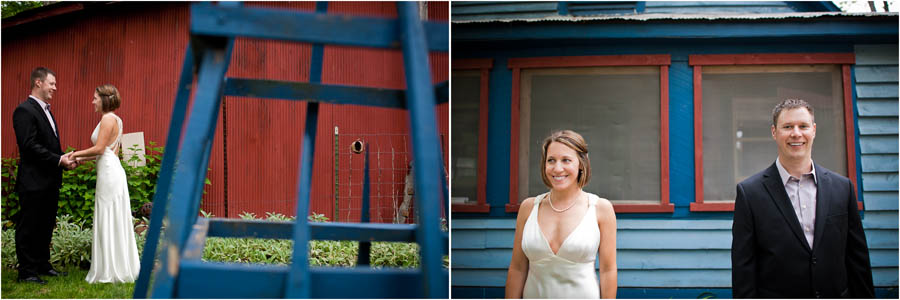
x=561, y=233
x=114, y=256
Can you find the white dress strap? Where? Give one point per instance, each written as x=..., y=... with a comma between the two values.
x=115, y=146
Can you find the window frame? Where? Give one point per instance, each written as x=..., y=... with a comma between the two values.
x=484, y=65
x=661, y=60
x=697, y=61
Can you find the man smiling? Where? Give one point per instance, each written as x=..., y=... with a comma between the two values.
x=797, y=232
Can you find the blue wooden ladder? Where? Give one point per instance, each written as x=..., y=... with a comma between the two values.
x=180, y=272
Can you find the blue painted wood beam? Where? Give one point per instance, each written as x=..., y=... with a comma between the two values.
x=298, y=279
x=363, y=252
x=640, y=7
x=208, y=19
x=327, y=93
x=823, y=29
x=364, y=232
x=193, y=250
x=562, y=8
x=233, y=228
x=212, y=280
x=232, y=280
x=426, y=151
x=192, y=165
x=164, y=181
x=369, y=283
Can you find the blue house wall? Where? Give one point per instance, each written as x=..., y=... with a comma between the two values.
x=683, y=254
x=492, y=10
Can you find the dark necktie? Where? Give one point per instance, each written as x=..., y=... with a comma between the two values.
x=52, y=121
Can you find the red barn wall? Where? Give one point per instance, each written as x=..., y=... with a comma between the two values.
x=139, y=47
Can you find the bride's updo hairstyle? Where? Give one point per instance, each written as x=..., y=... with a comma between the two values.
x=109, y=97
x=574, y=141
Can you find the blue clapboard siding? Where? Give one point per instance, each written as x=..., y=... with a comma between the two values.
x=875, y=79
x=699, y=7
x=875, y=107
x=506, y=10
x=651, y=253
x=881, y=201
x=466, y=10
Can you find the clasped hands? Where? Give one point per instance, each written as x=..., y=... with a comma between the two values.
x=69, y=162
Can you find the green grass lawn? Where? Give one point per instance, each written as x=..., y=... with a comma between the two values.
x=69, y=286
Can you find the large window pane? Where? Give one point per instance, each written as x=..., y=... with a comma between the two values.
x=616, y=109
x=737, y=119
x=466, y=91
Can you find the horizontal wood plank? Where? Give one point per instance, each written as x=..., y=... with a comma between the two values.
x=882, y=54
x=878, y=125
x=877, y=107
x=886, y=181
x=880, y=220
x=881, y=201
x=880, y=163
x=882, y=277
x=876, y=90
x=882, y=239
x=878, y=144
x=510, y=7
x=877, y=74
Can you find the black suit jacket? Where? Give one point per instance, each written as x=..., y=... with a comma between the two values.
x=770, y=257
x=39, y=149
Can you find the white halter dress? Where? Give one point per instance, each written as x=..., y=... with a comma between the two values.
x=114, y=255
x=569, y=273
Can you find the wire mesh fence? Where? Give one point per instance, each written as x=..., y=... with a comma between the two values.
x=391, y=184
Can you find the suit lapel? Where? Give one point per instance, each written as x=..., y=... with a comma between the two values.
x=776, y=190
x=43, y=116
x=823, y=199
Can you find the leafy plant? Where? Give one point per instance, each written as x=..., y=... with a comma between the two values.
x=76, y=195
x=9, y=199
x=314, y=217
x=11, y=8
x=8, y=249
x=69, y=247
x=142, y=179
x=71, y=243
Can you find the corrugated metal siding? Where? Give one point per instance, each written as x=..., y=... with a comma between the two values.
x=263, y=139
x=876, y=89
x=140, y=49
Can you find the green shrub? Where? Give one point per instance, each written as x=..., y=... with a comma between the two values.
x=76, y=195
x=321, y=252
x=142, y=179
x=70, y=245
x=9, y=200
x=8, y=248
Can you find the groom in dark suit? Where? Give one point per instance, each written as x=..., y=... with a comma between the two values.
x=797, y=232
x=39, y=177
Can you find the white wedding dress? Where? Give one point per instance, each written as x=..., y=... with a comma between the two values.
x=570, y=273
x=114, y=255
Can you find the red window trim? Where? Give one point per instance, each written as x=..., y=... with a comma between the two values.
x=698, y=61
x=662, y=60
x=484, y=65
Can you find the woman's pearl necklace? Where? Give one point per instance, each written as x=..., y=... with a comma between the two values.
x=550, y=200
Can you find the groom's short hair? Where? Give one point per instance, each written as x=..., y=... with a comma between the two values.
x=40, y=73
